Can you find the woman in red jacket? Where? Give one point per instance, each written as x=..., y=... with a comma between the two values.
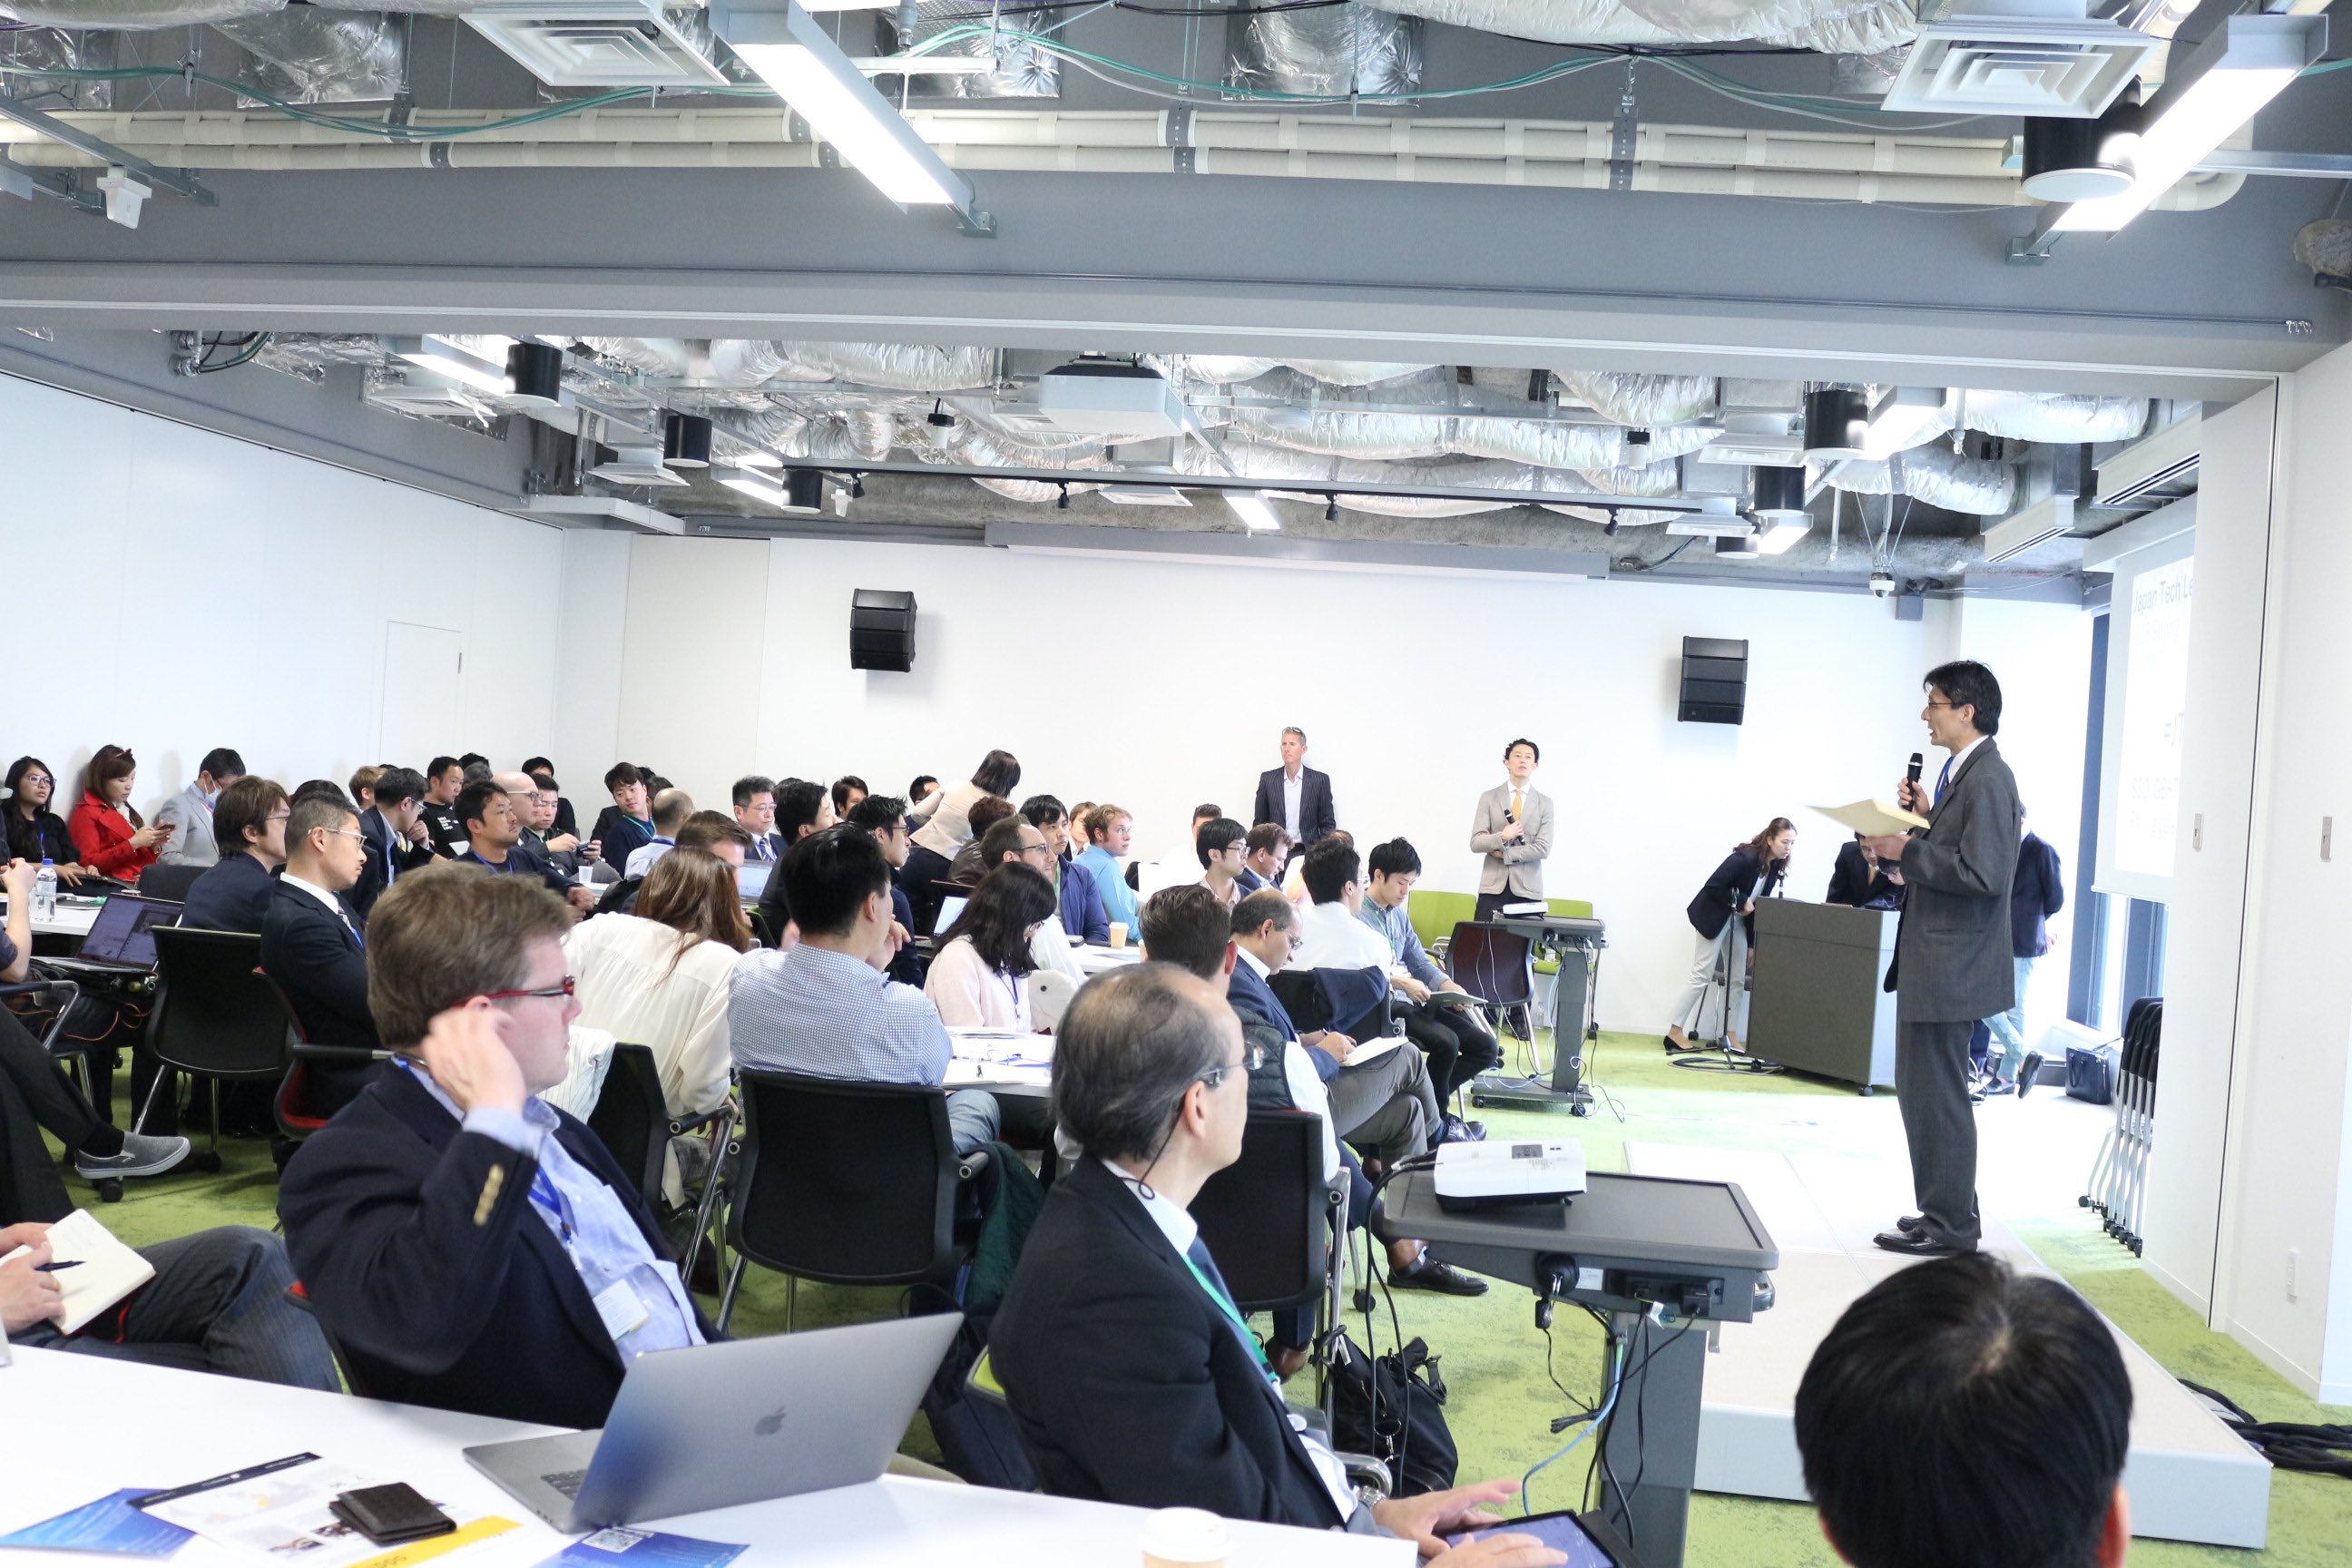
x=112, y=838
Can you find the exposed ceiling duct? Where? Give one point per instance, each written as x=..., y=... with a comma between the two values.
x=135, y=16
x=1335, y=51
x=1831, y=27
x=1018, y=69
x=1644, y=401
x=906, y=367
x=306, y=55
x=1935, y=474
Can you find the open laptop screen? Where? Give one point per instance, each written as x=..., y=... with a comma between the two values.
x=123, y=931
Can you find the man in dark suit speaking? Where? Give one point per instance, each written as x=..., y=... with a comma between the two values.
x=1952, y=963
x=1294, y=795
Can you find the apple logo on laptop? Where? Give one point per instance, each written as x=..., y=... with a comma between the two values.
x=770, y=1425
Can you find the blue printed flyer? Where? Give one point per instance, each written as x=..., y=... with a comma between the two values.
x=618, y=1548
x=109, y=1524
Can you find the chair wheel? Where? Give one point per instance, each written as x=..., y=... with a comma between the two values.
x=1363, y=1301
x=207, y=1160
x=1579, y=1110
x=108, y=1190
x=1477, y=1099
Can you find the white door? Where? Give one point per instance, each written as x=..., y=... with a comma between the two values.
x=424, y=709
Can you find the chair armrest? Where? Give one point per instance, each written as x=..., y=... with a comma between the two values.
x=972, y=1165
x=304, y=1051
x=1369, y=1476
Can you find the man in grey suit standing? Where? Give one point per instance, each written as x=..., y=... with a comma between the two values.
x=1952, y=962
x=1513, y=831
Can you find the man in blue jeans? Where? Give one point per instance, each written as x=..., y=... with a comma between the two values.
x=2037, y=891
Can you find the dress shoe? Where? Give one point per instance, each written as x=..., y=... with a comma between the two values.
x=1918, y=1244
x=1910, y=1222
x=1288, y=1362
x=1460, y=1131
x=1995, y=1087
x=1428, y=1274
x=2028, y=1072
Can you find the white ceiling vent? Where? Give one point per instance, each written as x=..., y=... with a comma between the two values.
x=1106, y=397
x=2041, y=58
x=596, y=43
x=636, y=466
x=1145, y=495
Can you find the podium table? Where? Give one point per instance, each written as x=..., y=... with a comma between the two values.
x=1814, y=1001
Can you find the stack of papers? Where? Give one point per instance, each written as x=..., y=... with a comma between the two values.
x=1874, y=818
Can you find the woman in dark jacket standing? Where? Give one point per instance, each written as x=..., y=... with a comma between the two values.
x=1754, y=870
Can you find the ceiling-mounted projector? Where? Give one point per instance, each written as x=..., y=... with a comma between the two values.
x=1106, y=397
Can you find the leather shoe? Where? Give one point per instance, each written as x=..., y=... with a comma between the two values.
x=1428, y=1274
x=1918, y=1244
x=1910, y=1222
x=2029, y=1072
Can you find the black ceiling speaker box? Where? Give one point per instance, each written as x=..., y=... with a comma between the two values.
x=1715, y=681
x=881, y=629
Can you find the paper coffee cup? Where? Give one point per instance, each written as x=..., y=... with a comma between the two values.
x=1119, y=939
x=1183, y=1537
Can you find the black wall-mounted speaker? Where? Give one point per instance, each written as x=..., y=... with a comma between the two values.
x=881, y=629
x=1715, y=681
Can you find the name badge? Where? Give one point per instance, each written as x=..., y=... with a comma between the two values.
x=622, y=1311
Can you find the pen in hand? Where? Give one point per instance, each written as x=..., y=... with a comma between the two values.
x=53, y=1268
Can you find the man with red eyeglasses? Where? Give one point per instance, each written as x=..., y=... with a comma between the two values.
x=466, y=1245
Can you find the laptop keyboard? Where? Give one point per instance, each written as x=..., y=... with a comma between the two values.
x=567, y=1482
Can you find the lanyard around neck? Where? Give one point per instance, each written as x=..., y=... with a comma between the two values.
x=1233, y=1315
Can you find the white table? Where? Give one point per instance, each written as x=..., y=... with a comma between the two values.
x=1094, y=959
x=73, y=919
x=76, y=1427
x=983, y=1059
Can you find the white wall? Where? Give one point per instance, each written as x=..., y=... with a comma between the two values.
x=211, y=593
x=1160, y=685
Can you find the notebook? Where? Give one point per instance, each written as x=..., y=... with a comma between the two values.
x=106, y=1270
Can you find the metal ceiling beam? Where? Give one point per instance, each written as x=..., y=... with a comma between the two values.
x=179, y=181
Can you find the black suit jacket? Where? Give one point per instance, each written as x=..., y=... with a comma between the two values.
x=383, y=844
x=1854, y=883
x=233, y=894
x=1129, y=1384
x=415, y=1241
x=319, y=963
x=1315, y=816
x=1728, y=885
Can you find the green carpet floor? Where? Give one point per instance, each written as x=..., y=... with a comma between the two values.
x=2034, y=1156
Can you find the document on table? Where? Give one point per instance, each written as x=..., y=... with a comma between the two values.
x=999, y=1055
x=280, y=1509
x=111, y=1525
x=617, y=1548
x=1874, y=818
x=104, y=1269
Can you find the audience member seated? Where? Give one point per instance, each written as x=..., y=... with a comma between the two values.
x=1132, y=1375
x=658, y=978
x=1385, y=1106
x=671, y=808
x=847, y=790
x=754, y=797
x=801, y=808
x=1959, y=1362
x=363, y=785
x=1175, y=868
x=1082, y=907
x=921, y=789
x=189, y=813
x=980, y=975
x=1108, y=830
x=534, y=796
x=249, y=824
x=565, y=822
x=35, y=831
x=626, y=826
x=1329, y=934
x=468, y=1246
x=398, y=841
x=825, y=1009
x=310, y=944
x=445, y=779
x=943, y=826
x=885, y=816
x=1016, y=841
x=1861, y=880
x=494, y=839
x=109, y=835
x=99, y=1150
x=1267, y=848
x=967, y=868
x=1219, y=843
x=1458, y=1047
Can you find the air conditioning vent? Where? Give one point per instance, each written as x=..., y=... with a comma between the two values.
x=2025, y=57
x=429, y=400
x=1749, y=450
x=1145, y=495
x=2043, y=520
x=601, y=43
x=636, y=466
x=2155, y=469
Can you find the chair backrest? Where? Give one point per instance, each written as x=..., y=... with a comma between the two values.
x=633, y=1119
x=1571, y=908
x=1050, y=991
x=1435, y=914
x=1491, y=963
x=849, y=1184
x=1266, y=1217
x=215, y=1012
x=1355, y=1001
x=169, y=883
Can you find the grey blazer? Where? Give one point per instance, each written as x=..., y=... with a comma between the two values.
x=1952, y=958
x=1513, y=866
x=193, y=844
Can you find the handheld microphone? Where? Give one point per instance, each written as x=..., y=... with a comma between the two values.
x=1917, y=761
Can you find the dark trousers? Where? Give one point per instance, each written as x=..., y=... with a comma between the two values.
x=1931, y=1079
x=55, y=1103
x=217, y=1303
x=919, y=879
x=1457, y=1049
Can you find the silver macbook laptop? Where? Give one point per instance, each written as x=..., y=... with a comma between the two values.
x=743, y=1421
x=751, y=879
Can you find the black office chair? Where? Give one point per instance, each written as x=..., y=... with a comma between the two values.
x=632, y=1116
x=1273, y=1224
x=1356, y=1002
x=846, y=1183
x=216, y=1015
x=169, y=883
x=1497, y=966
x=296, y=1108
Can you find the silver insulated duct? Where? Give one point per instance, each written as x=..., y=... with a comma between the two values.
x=1020, y=68
x=1934, y=474
x=133, y=16
x=1335, y=51
x=306, y=55
x=1828, y=27
x=901, y=367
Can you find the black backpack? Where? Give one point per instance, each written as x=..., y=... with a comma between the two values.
x=1394, y=1409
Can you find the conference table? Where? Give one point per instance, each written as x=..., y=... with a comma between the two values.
x=77, y=1427
x=72, y=921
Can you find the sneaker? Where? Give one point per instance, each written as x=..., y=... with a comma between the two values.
x=2028, y=1072
x=1460, y=1131
x=1428, y=1274
x=141, y=1156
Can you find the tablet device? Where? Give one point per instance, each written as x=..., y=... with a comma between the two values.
x=1585, y=1539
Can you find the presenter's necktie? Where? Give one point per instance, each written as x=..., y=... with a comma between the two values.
x=1942, y=779
x=1514, y=805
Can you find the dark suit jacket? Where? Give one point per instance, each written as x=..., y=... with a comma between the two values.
x=1952, y=958
x=1128, y=1384
x=2035, y=893
x=375, y=877
x=417, y=1246
x=319, y=963
x=1315, y=816
x=1854, y=883
x=1728, y=885
x=1252, y=998
x=234, y=894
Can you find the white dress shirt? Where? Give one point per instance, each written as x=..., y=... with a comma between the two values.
x=1331, y=937
x=1292, y=788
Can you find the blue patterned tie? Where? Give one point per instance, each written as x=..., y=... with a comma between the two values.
x=1943, y=779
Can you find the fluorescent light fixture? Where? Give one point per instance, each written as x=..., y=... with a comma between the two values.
x=792, y=54
x=1775, y=537
x=1251, y=507
x=760, y=488
x=1737, y=547
x=1902, y=418
x=446, y=358
x=2241, y=65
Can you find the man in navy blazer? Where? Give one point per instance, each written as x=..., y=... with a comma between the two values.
x=468, y=1246
x=1294, y=795
x=233, y=893
x=311, y=942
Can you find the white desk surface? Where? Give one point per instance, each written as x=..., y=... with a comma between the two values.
x=1094, y=960
x=73, y=919
x=985, y=1059
x=75, y=1427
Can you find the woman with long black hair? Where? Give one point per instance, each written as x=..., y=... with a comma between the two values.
x=980, y=977
x=1751, y=871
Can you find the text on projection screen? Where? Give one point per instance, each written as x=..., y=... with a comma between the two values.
x=2147, y=796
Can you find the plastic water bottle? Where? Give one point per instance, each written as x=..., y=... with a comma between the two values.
x=45, y=893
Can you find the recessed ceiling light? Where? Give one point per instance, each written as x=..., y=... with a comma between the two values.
x=1251, y=507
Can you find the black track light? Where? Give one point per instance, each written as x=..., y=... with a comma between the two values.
x=1837, y=423
x=804, y=488
x=938, y=418
x=537, y=373
x=686, y=441
x=1332, y=508
x=857, y=487
x=1062, y=503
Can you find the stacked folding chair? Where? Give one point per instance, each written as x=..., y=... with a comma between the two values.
x=2118, y=1184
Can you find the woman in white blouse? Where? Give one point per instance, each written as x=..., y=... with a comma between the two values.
x=943, y=826
x=658, y=978
x=980, y=977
